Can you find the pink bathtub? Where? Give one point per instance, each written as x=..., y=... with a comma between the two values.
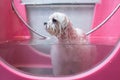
x=24, y=62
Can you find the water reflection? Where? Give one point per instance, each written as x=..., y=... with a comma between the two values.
x=29, y=59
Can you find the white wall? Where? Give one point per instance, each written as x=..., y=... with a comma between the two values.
x=57, y=1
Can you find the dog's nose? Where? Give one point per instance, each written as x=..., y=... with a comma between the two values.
x=45, y=23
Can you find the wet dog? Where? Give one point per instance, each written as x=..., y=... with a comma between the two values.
x=72, y=53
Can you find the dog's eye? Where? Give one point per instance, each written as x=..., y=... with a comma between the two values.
x=54, y=20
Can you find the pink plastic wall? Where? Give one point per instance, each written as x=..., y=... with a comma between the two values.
x=110, y=31
x=11, y=28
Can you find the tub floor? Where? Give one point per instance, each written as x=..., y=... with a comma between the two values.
x=37, y=71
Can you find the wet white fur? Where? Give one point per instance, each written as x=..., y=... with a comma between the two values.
x=69, y=58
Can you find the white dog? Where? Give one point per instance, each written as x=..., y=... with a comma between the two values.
x=72, y=54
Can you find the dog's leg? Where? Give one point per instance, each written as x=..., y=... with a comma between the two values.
x=72, y=59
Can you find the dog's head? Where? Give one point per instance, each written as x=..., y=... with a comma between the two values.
x=57, y=23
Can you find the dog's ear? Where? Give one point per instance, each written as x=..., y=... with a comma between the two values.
x=65, y=22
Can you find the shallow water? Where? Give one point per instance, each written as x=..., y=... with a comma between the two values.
x=23, y=59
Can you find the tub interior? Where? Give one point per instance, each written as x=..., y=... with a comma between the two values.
x=34, y=56
x=29, y=59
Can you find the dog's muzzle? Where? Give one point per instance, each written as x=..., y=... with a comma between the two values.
x=45, y=24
